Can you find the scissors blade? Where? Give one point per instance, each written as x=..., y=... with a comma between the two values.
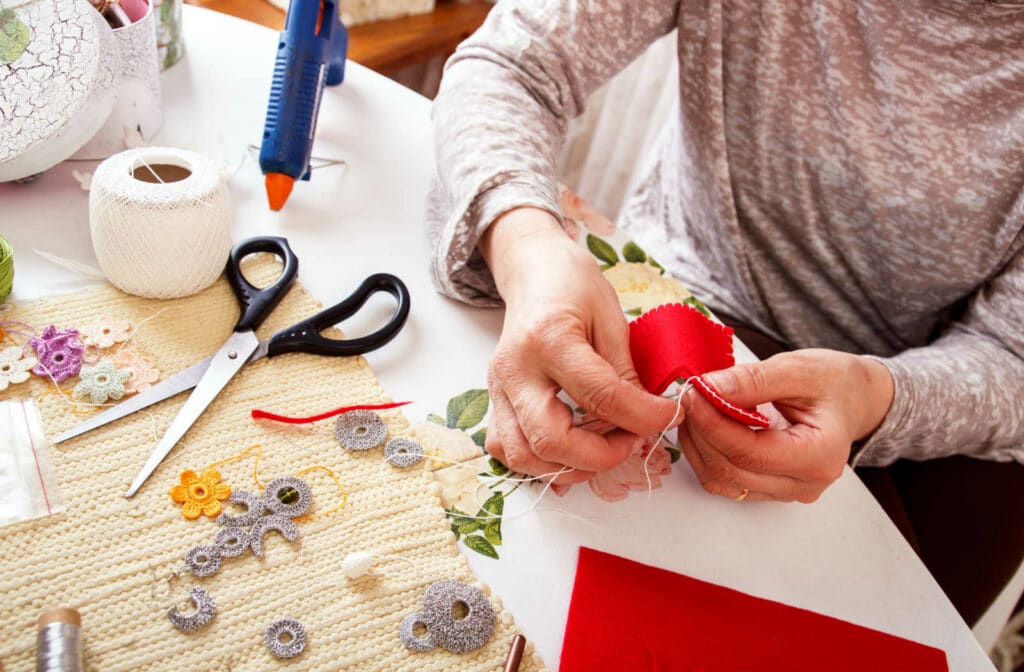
x=167, y=388
x=232, y=356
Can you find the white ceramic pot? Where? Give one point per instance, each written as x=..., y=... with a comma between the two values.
x=57, y=87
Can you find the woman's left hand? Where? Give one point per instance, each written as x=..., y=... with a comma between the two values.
x=830, y=400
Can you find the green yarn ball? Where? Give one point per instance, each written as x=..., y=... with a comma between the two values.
x=6, y=269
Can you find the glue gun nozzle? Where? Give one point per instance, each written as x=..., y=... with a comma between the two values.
x=279, y=187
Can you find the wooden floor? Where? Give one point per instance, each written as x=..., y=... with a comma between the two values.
x=384, y=46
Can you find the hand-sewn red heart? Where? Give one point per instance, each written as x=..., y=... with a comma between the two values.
x=676, y=341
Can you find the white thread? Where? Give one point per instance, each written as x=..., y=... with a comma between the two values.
x=661, y=437
x=751, y=416
x=162, y=239
x=69, y=264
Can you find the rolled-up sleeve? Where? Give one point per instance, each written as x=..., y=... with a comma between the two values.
x=500, y=117
x=964, y=393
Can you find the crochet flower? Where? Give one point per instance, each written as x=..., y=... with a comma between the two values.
x=614, y=484
x=104, y=333
x=200, y=493
x=59, y=353
x=101, y=382
x=141, y=372
x=14, y=366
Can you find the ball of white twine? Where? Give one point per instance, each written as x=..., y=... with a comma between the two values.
x=160, y=220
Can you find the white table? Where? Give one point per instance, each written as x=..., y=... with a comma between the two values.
x=840, y=557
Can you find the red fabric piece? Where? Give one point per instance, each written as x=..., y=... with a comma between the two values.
x=257, y=414
x=747, y=417
x=676, y=341
x=629, y=616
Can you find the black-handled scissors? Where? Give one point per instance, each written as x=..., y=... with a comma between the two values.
x=209, y=376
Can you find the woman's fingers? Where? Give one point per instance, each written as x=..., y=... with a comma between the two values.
x=788, y=451
x=507, y=443
x=721, y=477
x=597, y=387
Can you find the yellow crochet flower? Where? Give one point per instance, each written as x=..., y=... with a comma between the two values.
x=200, y=493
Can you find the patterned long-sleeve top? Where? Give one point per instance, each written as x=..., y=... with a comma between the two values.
x=846, y=174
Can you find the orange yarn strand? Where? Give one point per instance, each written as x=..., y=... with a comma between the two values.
x=337, y=482
x=258, y=447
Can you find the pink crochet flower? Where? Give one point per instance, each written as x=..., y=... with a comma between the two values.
x=104, y=333
x=142, y=372
x=59, y=353
x=614, y=485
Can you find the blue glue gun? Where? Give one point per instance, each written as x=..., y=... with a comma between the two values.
x=310, y=54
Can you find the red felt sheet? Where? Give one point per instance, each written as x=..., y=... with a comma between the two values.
x=629, y=616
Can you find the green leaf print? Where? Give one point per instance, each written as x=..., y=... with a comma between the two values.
x=481, y=546
x=696, y=303
x=633, y=252
x=468, y=409
x=673, y=453
x=14, y=36
x=602, y=250
x=492, y=532
x=497, y=468
x=480, y=437
x=494, y=505
x=437, y=419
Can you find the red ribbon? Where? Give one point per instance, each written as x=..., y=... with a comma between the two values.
x=265, y=415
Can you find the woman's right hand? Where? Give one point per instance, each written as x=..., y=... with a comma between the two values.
x=563, y=329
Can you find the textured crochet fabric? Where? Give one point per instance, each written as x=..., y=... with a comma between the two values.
x=97, y=555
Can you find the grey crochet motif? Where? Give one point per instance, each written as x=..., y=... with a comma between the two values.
x=360, y=430
x=232, y=541
x=279, y=489
x=409, y=638
x=286, y=527
x=203, y=560
x=285, y=637
x=205, y=609
x=459, y=635
x=403, y=453
x=254, y=509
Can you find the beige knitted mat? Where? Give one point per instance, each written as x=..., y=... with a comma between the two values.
x=111, y=557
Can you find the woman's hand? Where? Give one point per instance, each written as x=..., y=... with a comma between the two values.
x=831, y=399
x=563, y=329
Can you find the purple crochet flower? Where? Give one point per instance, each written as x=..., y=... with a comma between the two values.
x=59, y=352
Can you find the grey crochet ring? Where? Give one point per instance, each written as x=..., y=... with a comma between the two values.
x=286, y=527
x=460, y=635
x=403, y=453
x=360, y=430
x=203, y=560
x=204, y=613
x=279, y=489
x=408, y=636
x=285, y=637
x=232, y=541
x=254, y=509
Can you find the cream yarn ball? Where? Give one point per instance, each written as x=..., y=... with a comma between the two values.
x=160, y=220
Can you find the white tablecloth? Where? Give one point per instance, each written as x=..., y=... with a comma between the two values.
x=840, y=557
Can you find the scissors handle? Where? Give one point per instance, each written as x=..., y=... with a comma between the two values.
x=256, y=303
x=305, y=336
